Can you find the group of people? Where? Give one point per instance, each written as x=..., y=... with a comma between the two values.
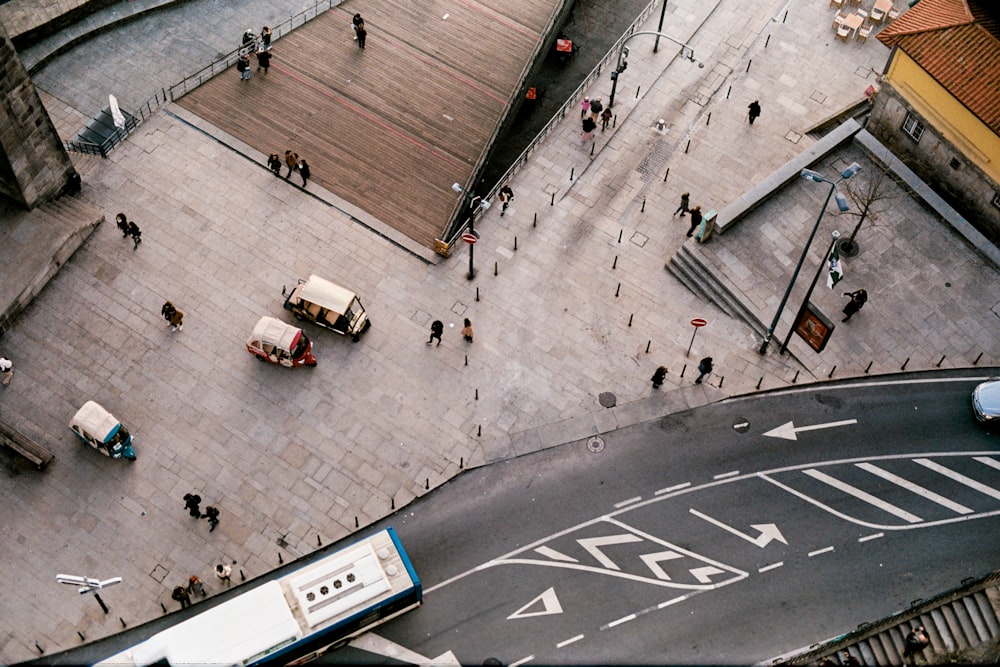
x=293, y=162
x=129, y=228
x=258, y=45
x=192, y=503
x=183, y=594
x=696, y=216
x=360, y=34
x=705, y=367
x=437, y=329
x=592, y=110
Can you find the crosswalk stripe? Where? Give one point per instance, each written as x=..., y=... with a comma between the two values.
x=993, y=463
x=915, y=488
x=960, y=478
x=863, y=495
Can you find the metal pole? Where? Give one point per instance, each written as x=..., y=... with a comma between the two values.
x=659, y=28
x=819, y=272
x=472, y=246
x=614, y=85
x=795, y=274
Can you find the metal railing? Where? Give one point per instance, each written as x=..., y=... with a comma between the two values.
x=553, y=123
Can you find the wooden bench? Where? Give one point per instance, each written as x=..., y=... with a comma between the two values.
x=25, y=446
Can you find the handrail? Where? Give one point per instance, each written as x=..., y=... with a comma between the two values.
x=522, y=159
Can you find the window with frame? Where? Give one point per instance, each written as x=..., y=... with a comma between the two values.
x=913, y=127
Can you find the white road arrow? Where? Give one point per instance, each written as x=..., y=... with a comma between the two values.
x=768, y=531
x=652, y=561
x=592, y=544
x=788, y=431
x=704, y=574
x=548, y=602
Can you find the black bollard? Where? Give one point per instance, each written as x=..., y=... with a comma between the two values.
x=618, y=289
x=941, y=361
x=748, y=64
x=466, y=360
x=666, y=174
x=281, y=560
x=684, y=369
x=571, y=171
x=552, y=201
x=356, y=524
x=534, y=221
x=729, y=91
x=758, y=383
x=796, y=378
x=477, y=294
x=515, y=244
x=39, y=647
x=620, y=235
x=477, y=393
x=767, y=41
x=643, y=209
x=101, y=602
x=977, y=359
x=479, y=432
x=614, y=122
x=392, y=503
x=831, y=372
x=614, y=264
x=869, y=366
x=82, y=638
x=630, y=319
x=709, y=119
x=163, y=607
x=903, y=367
x=123, y=622
x=637, y=89
x=688, y=146
x=461, y=462
x=722, y=378
x=648, y=343
x=319, y=542
x=496, y=268
x=243, y=577
x=592, y=149
x=785, y=16
x=427, y=483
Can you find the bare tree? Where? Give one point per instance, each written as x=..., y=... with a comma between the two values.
x=871, y=192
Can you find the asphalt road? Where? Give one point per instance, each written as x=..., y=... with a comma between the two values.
x=657, y=549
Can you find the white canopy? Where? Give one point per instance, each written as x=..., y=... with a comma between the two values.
x=270, y=331
x=95, y=420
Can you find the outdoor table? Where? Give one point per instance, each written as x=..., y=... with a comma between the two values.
x=853, y=22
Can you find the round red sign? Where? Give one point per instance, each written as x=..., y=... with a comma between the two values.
x=469, y=238
x=698, y=322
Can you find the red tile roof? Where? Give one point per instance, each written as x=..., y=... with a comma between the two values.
x=960, y=52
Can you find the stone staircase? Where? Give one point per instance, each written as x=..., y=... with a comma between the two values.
x=960, y=620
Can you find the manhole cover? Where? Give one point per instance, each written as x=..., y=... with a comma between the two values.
x=741, y=425
x=596, y=444
x=607, y=399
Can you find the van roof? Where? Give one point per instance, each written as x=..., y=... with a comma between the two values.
x=272, y=331
x=326, y=294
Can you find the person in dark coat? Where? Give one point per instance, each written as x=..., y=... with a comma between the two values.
x=437, y=328
x=122, y=223
x=212, y=514
x=361, y=34
x=304, y=171
x=858, y=299
x=704, y=368
x=684, y=205
x=506, y=197
x=754, y=111
x=135, y=233
x=695, y=219
x=263, y=60
x=658, y=377
x=588, y=129
x=181, y=595
x=274, y=163
x=292, y=162
x=192, y=501
x=243, y=66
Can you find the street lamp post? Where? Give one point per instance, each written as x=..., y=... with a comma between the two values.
x=812, y=286
x=622, y=62
x=842, y=205
x=89, y=585
x=469, y=203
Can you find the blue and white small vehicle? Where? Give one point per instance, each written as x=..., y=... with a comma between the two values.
x=101, y=430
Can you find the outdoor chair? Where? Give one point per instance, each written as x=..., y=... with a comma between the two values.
x=893, y=14
x=836, y=3
x=863, y=32
x=862, y=13
x=877, y=16
x=843, y=32
x=838, y=20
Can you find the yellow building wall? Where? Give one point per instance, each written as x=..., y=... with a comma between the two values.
x=945, y=114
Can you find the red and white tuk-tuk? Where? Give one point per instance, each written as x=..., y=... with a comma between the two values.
x=279, y=343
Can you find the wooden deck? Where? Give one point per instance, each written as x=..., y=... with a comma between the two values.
x=389, y=128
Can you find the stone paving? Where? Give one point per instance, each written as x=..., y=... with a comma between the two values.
x=581, y=307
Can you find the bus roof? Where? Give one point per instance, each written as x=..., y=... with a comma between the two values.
x=326, y=294
x=219, y=636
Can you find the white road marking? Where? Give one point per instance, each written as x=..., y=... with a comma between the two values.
x=567, y=642
x=871, y=537
x=623, y=619
x=993, y=463
x=862, y=495
x=549, y=552
x=667, y=603
x=593, y=544
x=770, y=567
x=549, y=602
x=726, y=475
x=819, y=551
x=676, y=487
x=522, y=661
x=960, y=478
x=915, y=488
x=788, y=430
x=704, y=574
x=379, y=645
x=768, y=531
x=652, y=562
x=628, y=502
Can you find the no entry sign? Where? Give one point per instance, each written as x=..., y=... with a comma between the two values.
x=698, y=322
x=470, y=238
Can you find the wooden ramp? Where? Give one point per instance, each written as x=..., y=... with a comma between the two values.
x=389, y=128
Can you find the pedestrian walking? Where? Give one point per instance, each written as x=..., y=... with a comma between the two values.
x=695, y=219
x=274, y=164
x=437, y=328
x=212, y=514
x=181, y=595
x=658, y=376
x=467, y=330
x=915, y=642
x=195, y=587
x=263, y=60
x=192, y=503
x=176, y=320
x=605, y=118
x=704, y=368
x=754, y=111
x=304, y=171
x=506, y=197
x=588, y=129
x=265, y=38
x=135, y=233
x=858, y=299
x=122, y=223
x=167, y=310
x=249, y=41
x=243, y=67
x=683, y=207
x=223, y=572
x=584, y=108
x=291, y=161
x=6, y=370
x=355, y=22
x=596, y=107
x=361, y=35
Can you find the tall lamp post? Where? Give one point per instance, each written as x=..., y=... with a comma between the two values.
x=470, y=203
x=687, y=52
x=842, y=205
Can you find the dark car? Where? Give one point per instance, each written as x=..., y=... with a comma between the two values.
x=986, y=401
